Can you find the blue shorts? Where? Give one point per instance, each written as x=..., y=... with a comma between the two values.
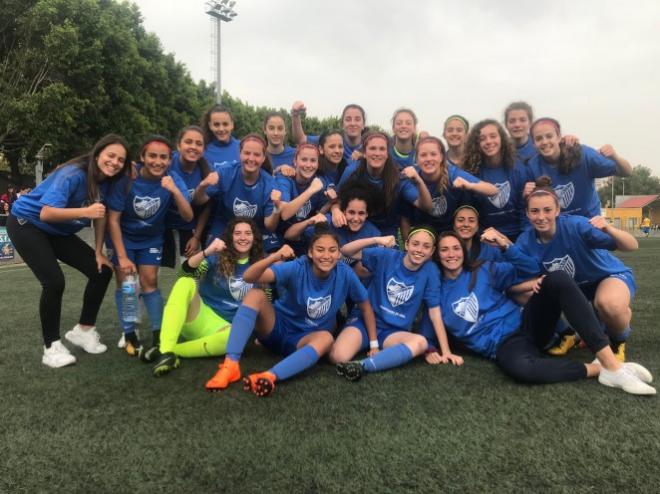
x=589, y=289
x=646, y=229
x=283, y=339
x=147, y=256
x=382, y=332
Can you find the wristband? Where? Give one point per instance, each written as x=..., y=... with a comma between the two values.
x=373, y=344
x=204, y=253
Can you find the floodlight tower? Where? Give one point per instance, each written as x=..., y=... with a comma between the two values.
x=220, y=11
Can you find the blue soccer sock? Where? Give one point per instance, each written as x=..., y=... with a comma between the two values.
x=153, y=302
x=295, y=363
x=622, y=336
x=241, y=329
x=126, y=327
x=394, y=356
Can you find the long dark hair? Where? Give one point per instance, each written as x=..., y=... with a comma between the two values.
x=324, y=163
x=229, y=257
x=390, y=171
x=201, y=162
x=470, y=266
x=473, y=155
x=206, y=118
x=88, y=163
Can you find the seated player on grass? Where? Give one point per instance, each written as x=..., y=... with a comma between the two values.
x=298, y=325
x=202, y=316
x=401, y=282
x=477, y=312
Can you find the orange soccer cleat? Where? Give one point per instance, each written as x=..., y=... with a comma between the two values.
x=229, y=372
x=261, y=384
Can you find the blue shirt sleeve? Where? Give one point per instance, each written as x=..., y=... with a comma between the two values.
x=597, y=164
x=503, y=275
x=356, y=290
x=181, y=185
x=285, y=272
x=432, y=291
x=409, y=192
x=371, y=257
x=595, y=238
x=283, y=184
x=117, y=197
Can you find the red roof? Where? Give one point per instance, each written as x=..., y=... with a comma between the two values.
x=638, y=201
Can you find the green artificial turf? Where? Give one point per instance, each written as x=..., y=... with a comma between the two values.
x=106, y=425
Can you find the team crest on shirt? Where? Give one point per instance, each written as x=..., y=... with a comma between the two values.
x=237, y=287
x=191, y=193
x=467, y=308
x=565, y=194
x=500, y=199
x=439, y=206
x=244, y=209
x=304, y=211
x=145, y=206
x=561, y=264
x=318, y=307
x=398, y=293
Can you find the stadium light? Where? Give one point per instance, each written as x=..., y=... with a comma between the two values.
x=219, y=12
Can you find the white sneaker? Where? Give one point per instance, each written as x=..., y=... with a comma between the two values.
x=641, y=372
x=89, y=340
x=626, y=380
x=57, y=355
x=122, y=342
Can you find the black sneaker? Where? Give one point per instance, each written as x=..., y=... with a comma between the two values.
x=167, y=362
x=148, y=355
x=352, y=370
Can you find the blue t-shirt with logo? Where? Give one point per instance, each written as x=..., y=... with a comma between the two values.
x=66, y=187
x=311, y=303
x=480, y=318
x=577, y=191
x=577, y=248
x=236, y=198
x=403, y=160
x=143, y=204
x=396, y=292
x=441, y=217
x=505, y=210
x=224, y=294
x=192, y=179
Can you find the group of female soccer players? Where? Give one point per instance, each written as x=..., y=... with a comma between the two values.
x=353, y=242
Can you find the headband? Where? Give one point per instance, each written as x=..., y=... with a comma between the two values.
x=549, y=120
x=466, y=206
x=305, y=145
x=460, y=118
x=421, y=229
x=254, y=137
x=543, y=191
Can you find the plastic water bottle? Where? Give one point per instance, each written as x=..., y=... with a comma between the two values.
x=129, y=298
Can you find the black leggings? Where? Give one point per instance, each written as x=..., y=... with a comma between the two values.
x=40, y=251
x=521, y=354
x=169, y=247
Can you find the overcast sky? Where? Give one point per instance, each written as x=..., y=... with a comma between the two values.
x=593, y=64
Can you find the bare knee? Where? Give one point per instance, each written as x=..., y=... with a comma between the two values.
x=417, y=344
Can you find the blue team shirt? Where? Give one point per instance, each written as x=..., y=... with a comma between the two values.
x=577, y=191
x=483, y=317
x=577, y=248
x=387, y=221
x=222, y=294
x=217, y=152
x=236, y=198
x=143, y=204
x=291, y=189
x=527, y=151
x=310, y=303
x=66, y=187
x=441, y=217
x=505, y=210
x=395, y=292
x=403, y=160
x=284, y=158
x=191, y=179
